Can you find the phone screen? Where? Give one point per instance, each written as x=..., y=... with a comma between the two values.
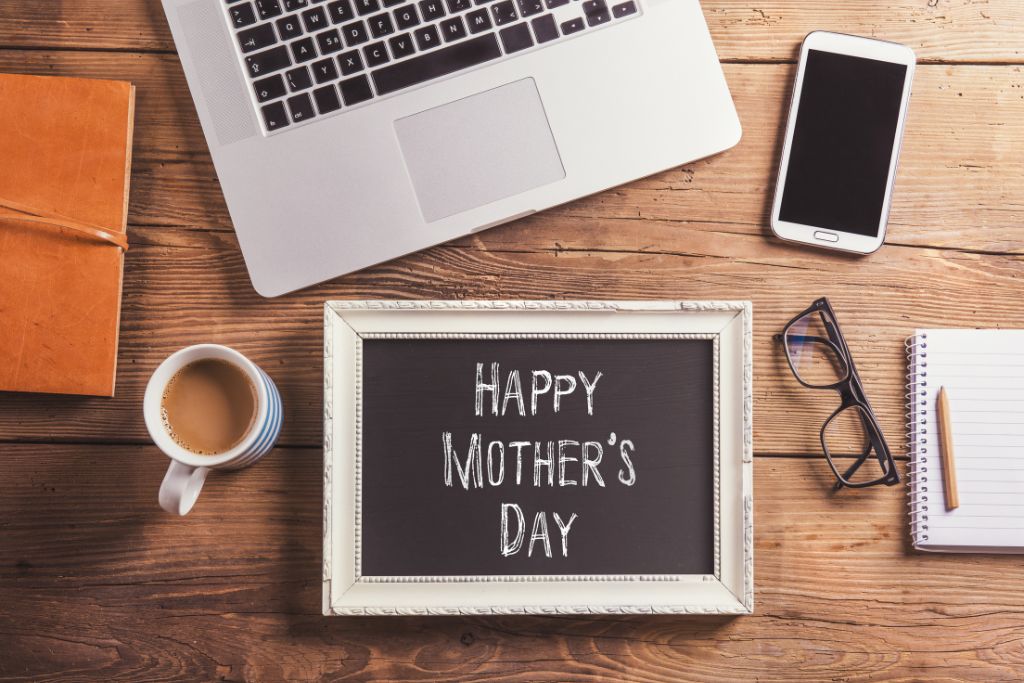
x=843, y=142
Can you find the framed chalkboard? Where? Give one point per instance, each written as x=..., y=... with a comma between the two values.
x=537, y=457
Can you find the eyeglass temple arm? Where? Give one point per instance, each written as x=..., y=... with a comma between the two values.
x=852, y=469
x=840, y=341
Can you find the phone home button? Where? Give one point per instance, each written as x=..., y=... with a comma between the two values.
x=826, y=236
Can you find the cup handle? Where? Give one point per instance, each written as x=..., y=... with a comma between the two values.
x=181, y=487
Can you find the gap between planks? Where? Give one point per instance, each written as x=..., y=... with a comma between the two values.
x=310, y=447
x=456, y=243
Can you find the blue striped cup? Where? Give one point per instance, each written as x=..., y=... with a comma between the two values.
x=187, y=472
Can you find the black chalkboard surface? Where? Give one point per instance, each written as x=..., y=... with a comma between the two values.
x=449, y=488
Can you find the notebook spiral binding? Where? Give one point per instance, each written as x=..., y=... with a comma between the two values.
x=917, y=436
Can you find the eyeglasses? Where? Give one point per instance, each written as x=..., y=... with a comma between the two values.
x=820, y=359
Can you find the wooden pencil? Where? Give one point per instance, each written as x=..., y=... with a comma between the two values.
x=948, y=459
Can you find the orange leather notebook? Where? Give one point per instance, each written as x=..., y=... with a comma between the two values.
x=65, y=155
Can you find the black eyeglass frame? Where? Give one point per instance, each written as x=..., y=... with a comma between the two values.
x=851, y=393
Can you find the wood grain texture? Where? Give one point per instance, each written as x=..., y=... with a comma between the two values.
x=186, y=287
x=960, y=185
x=938, y=30
x=694, y=232
x=98, y=582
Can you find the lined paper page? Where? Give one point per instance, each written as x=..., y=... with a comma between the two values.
x=983, y=372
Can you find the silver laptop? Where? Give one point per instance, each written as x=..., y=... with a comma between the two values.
x=350, y=132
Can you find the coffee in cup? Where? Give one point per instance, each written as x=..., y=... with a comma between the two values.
x=209, y=406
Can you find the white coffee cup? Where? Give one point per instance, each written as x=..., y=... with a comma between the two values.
x=187, y=472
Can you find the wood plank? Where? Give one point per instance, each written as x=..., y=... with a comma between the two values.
x=937, y=30
x=692, y=232
x=960, y=183
x=688, y=233
x=945, y=31
x=97, y=581
x=960, y=186
x=185, y=287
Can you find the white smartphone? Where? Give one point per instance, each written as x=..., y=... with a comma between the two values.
x=842, y=142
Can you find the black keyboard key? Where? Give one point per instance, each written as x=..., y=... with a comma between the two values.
x=516, y=38
x=327, y=99
x=552, y=4
x=478, y=20
x=355, y=90
x=267, y=61
x=365, y=7
x=303, y=50
x=350, y=62
x=324, y=70
x=431, y=10
x=406, y=17
x=504, y=12
x=292, y=5
x=458, y=5
x=401, y=45
x=298, y=79
x=572, y=26
x=624, y=9
x=242, y=15
x=435, y=64
x=269, y=88
x=392, y=3
x=452, y=29
x=274, y=116
x=528, y=8
x=427, y=37
x=328, y=41
x=483, y=2
x=315, y=19
x=596, y=12
x=256, y=38
x=341, y=11
x=376, y=54
x=355, y=33
x=289, y=27
x=381, y=25
x=268, y=8
x=301, y=107
x=544, y=28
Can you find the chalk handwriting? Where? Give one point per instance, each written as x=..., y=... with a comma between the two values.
x=543, y=384
x=511, y=545
x=577, y=461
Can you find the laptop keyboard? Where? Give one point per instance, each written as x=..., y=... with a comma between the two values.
x=309, y=58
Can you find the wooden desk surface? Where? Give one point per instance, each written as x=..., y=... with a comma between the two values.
x=97, y=582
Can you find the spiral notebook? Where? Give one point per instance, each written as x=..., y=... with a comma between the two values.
x=983, y=372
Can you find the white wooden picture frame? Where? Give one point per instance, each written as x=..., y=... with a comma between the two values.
x=729, y=590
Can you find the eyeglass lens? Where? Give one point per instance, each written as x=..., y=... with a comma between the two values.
x=813, y=352
x=846, y=439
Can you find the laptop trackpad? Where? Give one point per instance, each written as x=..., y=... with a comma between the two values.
x=479, y=149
